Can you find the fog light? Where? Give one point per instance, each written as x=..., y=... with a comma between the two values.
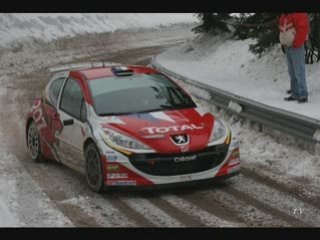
x=235, y=153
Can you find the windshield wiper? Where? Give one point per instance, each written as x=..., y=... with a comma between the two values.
x=114, y=114
x=161, y=107
x=167, y=106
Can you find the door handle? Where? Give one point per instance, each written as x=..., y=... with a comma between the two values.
x=68, y=122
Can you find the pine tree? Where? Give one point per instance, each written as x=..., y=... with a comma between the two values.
x=313, y=46
x=263, y=27
x=213, y=22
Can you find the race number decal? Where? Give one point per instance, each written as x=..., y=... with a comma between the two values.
x=38, y=115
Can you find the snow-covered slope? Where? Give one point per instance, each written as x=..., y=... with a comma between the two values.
x=48, y=26
x=229, y=65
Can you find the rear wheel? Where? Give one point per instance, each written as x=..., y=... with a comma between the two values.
x=94, y=173
x=33, y=141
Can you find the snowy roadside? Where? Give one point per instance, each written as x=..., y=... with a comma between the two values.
x=228, y=65
x=22, y=201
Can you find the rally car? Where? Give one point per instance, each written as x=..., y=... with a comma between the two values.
x=128, y=126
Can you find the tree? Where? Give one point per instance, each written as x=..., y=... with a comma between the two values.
x=213, y=22
x=260, y=26
x=263, y=27
x=313, y=46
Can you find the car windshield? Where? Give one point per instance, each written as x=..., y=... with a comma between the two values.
x=137, y=93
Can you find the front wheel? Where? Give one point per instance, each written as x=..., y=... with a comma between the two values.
x=33, y=141
x=94, y=174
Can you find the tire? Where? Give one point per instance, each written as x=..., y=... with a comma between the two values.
x=94, y=174
x=33, y=143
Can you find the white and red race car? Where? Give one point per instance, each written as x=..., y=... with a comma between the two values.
x=128, y=126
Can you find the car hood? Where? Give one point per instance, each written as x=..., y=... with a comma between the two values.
x=161, y=130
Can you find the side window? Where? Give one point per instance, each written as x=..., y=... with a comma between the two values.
x=71, y=99
x=54, y=90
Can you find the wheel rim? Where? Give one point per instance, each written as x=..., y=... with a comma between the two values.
x=33, y=141
x=93, y=169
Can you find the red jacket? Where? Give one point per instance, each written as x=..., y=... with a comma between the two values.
x=300, y=22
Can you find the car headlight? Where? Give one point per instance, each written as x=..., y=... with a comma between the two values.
x=114, y=138
x=219, y=131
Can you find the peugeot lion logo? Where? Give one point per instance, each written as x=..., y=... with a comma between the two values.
x=180, y=139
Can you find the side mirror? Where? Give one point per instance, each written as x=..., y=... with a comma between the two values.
x=68, y=122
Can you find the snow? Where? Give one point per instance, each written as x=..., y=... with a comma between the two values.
x=22, y=201
x=48, y=26
x=229, y=65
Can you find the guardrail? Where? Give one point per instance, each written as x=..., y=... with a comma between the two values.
x=291, y=123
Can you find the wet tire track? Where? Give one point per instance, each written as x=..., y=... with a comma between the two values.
x=264, y=207
x=213, y=207
x=277, y=202
x=294, y=192
x=131, y=214
x=56, y=194
x=182, y=217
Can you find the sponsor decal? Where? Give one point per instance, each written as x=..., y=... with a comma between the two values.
x=117, y=175
x=38, y=115
x=181, y=139
x=159, y=130
x=110, y=152
x=184, y=159
x=112, y=158
x=113, y=168
x=122, y=183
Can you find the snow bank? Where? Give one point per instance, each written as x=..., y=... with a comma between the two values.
x=49, y=26
x=229, y=65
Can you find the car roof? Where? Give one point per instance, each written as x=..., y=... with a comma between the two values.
x=99, y=72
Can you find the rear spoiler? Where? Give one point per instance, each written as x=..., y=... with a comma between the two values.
x=83, y=65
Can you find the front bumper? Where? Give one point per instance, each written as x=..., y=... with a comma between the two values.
x=168, y=186
x=138, y=170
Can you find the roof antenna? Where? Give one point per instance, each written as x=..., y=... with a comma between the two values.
x=103, y=63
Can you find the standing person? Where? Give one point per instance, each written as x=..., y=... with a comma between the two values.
x=294, y=29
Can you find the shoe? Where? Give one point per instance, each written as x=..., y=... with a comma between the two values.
x=289, y=91
x=302, y=99
x=290, y=98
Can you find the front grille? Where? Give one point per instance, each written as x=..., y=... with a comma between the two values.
x=164, y=164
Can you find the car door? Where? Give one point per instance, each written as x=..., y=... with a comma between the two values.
x=51, y=116
x=72, y=113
